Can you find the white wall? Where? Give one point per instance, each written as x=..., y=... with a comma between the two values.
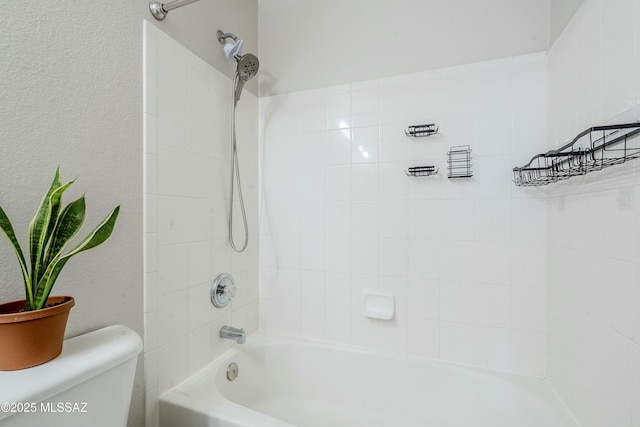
x=594, y=245
x=314, y=44
x=465, y=259
x=71, y=95
x=187, y=165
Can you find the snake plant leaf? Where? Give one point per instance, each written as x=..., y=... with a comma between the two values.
x=6, y=226
x=96, y=237
x=55, y=207
x=35, y=227
x=39, y=229
x=43, y=289
x=67, y=226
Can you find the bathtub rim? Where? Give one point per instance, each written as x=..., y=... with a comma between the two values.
x=227, y=410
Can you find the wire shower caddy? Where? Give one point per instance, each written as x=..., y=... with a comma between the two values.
x=459, y=162
x=604, y=146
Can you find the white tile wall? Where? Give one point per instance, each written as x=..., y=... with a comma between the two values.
x=593, y=294
x=467, y=259
x=464, y=259
x=186, y=111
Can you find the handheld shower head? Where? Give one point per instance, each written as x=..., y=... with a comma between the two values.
x=248, y=65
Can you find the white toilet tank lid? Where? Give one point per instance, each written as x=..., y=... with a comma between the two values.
x=82, y=357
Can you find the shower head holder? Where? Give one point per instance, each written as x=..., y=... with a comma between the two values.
x=222, y=37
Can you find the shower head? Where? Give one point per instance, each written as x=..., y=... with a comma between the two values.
x=248, y=65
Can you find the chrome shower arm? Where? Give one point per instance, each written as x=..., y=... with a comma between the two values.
x=222, y=37
x=160, y=10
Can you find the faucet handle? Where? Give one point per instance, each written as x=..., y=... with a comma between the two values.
x=222, y=290
x=228, y=290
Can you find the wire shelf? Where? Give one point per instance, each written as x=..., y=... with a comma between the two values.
x=605, y=146
x=419, y=171
x=459, y=160
x=419, y=131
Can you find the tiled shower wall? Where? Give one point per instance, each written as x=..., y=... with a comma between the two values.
x=187, y=156
x=594, y=223
x=465, y=259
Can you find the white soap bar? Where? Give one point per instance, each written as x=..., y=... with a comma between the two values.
x=379, y=306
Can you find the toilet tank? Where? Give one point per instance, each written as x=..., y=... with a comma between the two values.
x=88, y=385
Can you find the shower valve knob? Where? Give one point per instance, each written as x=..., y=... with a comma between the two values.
x=229, y=290
x=223, y=290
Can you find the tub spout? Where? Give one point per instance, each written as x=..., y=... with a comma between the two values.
x=229, y=332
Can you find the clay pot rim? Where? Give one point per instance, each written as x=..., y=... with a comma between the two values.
x=64, y=303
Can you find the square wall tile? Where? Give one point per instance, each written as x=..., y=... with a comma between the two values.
x=337, y=290
x=364, y=145
x=338, y=183
x=491, y=260
x=493, y=220
x=172, y=269
x=394, y=145
x=457, y=302
x=528, y=308
x=456, y=342
x=312, y=113
x=313, y=322
x=199, y=348
x=199, y=307
x=172, y=364
x=364, y=256
x=364, y=182
x=423, y=298
x=492, y=348
x=337, y=254
x=172, y=317
x=393, y=335
x=172, y=220
x=338, y=147
x=338, y=111
x=528, y=353
x=393, y=217
x=392, y=181
x=312, y=287
x=492, y=305
x=393, y=257
x=395, y=102
x=364, y=331
x=338, y=325
x=364, y=107
x=423, y=337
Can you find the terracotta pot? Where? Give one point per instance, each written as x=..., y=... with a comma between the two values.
x=31, y=338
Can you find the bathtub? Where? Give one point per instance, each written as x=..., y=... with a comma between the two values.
x=284, y=382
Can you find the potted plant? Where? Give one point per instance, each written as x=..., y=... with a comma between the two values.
x=32, y=330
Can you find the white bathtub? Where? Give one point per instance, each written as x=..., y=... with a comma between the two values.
x=286, y=382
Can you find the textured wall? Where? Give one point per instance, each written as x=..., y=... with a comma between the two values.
x=71, y=95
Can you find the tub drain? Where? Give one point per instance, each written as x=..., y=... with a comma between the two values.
x=232, y=371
